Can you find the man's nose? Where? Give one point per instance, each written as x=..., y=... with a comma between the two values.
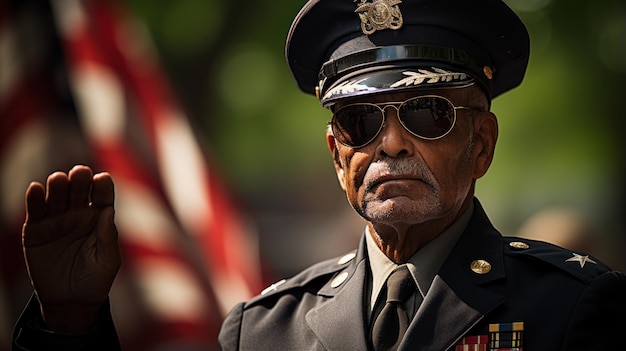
x=394, y=139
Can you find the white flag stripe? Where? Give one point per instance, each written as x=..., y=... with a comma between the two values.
x=141, y=217
x=184, y=175
x=100, y=97
x=170, y=289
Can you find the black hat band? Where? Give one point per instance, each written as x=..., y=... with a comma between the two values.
x=381, y=56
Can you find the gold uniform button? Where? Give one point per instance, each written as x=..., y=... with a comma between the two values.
x=518, y=245
x=480, y=266
x=338, y=280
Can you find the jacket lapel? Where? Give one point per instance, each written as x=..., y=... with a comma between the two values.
x=443, y=318
x=339, y=323
x=456, y=300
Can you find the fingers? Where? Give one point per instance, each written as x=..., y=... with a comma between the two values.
x=57, y=187
x=103, y=190
x=35, y=203
x=76, y=189
x=79, y=186
x=68, y=190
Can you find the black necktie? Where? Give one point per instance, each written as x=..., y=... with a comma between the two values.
x=392, y=322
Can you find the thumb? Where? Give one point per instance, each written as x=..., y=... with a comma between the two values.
x=107, y=236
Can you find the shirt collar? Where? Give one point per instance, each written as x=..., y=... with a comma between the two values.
x=423, y=265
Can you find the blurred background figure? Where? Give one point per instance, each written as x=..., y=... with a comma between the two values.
x=563, y=227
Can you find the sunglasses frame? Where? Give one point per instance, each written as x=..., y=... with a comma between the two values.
x=397, y=105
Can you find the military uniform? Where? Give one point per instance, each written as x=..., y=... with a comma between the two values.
x=492, y=293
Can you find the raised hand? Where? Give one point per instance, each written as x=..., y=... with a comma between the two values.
x=70, y=246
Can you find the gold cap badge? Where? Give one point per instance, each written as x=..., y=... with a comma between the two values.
x=379, y=14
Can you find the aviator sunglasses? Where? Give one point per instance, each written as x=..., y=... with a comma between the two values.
x=427, y=117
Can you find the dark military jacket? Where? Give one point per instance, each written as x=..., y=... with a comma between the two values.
x=492, y=293
x=500, y=293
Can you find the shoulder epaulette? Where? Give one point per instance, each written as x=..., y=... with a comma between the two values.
x=583, y=266
x=304, y=278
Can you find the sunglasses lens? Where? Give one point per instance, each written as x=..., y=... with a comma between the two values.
x=356, y=125
x=428, y=117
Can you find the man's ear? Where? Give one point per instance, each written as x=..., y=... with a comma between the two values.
x=332, y=147
x=485, y=138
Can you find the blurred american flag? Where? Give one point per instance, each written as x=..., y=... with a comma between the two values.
x=80, y=83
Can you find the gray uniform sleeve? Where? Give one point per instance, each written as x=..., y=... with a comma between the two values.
x=230, y=333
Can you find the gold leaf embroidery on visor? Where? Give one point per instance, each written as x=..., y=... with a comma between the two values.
x=438, y=75
x=379, y=14
x=347, y=88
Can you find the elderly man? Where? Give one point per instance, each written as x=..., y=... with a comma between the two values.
x=409, y=84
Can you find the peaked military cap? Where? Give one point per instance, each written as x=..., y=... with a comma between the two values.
x=338, y=49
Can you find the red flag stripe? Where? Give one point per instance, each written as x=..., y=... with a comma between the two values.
x=159, y=115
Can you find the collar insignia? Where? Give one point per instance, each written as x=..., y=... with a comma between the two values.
x=273, y=287
x=379, y=14
x=580, y=259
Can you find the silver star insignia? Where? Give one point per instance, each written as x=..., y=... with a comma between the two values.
x=580, y=259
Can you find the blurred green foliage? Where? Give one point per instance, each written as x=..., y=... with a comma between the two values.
x=560, y=141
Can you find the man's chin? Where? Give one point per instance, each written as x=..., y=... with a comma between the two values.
x=399, y=208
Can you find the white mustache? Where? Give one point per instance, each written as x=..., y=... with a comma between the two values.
x=400, y=167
